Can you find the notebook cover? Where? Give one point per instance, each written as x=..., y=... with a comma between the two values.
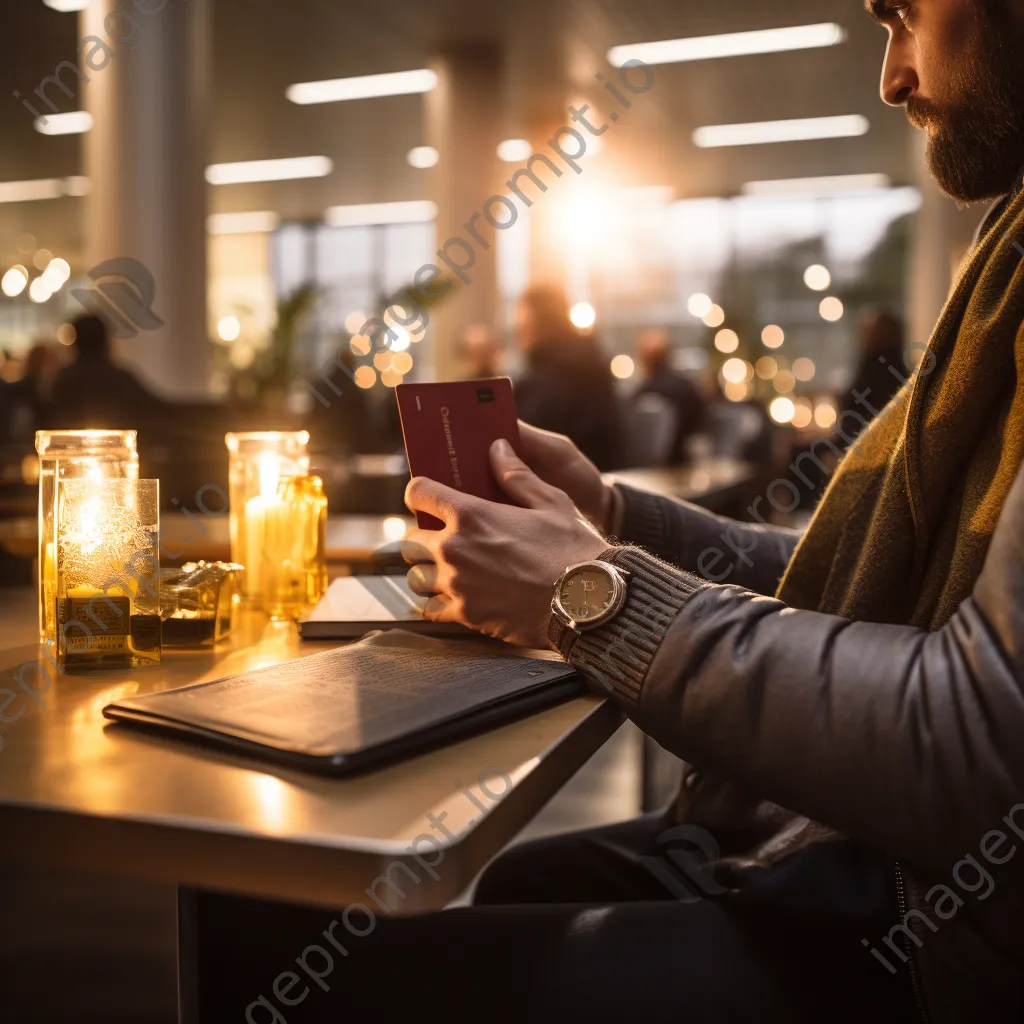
x=381, y=699
x=354, y=605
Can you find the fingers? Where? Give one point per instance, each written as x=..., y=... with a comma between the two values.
x=520, y=483
x=421, y=546
x=542, y=448
x=445, y=503
x=440, y=609
x=422, y=579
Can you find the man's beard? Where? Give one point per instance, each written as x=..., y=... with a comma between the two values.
x=976, y=141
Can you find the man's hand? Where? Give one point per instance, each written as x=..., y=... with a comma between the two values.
x=493, y=567
x=557, y=461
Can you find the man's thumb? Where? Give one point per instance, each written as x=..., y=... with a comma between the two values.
x=519, y=482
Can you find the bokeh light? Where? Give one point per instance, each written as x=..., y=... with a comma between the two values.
x=831, y=309
x=784, y=382
x=803, y=368
x=583, y=315
x=817, y=277
x=66, y=334
x=422, y=157
x=39, y=290
x=802, y=414
x=715, y=317
x=825, y=414
x=782, y=409
x=394, y=526
x=354, y=322
x=14, y=281
x=360, y=344
x=773, y=336
x=401, y=362
x=766, y=367
x=382, y=360
x=228, y=328
x=42, y=258
x=734, y=370
x=699, y=305
x=391, y=378
x=735, y=392
x=365, y=377
x=622, y=367
x=727, y=341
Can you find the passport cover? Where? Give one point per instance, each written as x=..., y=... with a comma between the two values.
x=381, y=699
x=448, y=430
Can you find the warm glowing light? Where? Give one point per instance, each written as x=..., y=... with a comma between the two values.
x=242, y=356
x=365, y=377
x=766, y=367
x=735, y=392
x=727, y=341
x=773, y=336
x=829, y=185
x=699, y=305
x=831, y=309
x=66, y=334
x=284, y=169
x=362, y=87
x=39, y=290
x=391, y=378
x=514, y=151
x=784, y=382
x=394, y=528
x=735, y=370
x=715, y=317
x=817, y=277
x=411, y=211
x=583, y=315
x=66, y=6
x=360, y=344
x=801, y=129
x=803, y=414
x=401, y=362
x=354, y=321
x=400, y=338
x=781, y=410
x=622, y=367
x=730, y=44
x=246, y=222
x=803, y=368
x=382, y=360
x=228, y=328
x=269, y=466
x=422, y=157
x=73, y=122
x=56, y=273
x=824, y=414
x=41, y=260
x=14, y=281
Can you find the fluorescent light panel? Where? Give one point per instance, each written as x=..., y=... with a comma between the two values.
x=731, y=44
x=363, y=87
x=73, y=122
x=66, y=5
x=250, y=222
x=415, y=211
x=42, y=188
x=269, y=170
x=801, y=129
x=832, y=184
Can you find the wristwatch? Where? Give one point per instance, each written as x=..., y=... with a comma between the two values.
x=587, y=595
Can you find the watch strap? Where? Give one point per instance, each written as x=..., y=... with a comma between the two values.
x=561, y=636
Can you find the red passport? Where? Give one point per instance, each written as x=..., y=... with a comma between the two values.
x=449, y=429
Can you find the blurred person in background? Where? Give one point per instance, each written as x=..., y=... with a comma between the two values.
x=480, y=353
x=881, y=346
x=25, y=402
x=349, y=422
x=567, y=386
x=95, y=390
x=679, y=392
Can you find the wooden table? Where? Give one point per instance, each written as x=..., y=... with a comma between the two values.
x=705, y=483
x=80, y=794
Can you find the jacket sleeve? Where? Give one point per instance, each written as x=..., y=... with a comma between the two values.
x=717, y=549
x=906, y=739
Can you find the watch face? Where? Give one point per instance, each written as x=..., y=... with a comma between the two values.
x=587, y=594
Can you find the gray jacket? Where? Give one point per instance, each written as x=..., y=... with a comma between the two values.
x=805, y=727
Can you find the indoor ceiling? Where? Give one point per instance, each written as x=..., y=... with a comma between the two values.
x=552, y=48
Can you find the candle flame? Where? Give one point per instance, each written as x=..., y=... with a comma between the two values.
x=270, y=474
x=88, y=535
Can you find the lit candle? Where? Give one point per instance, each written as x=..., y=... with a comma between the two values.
x=265, y=519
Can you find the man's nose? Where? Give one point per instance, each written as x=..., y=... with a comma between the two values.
x=899, y=79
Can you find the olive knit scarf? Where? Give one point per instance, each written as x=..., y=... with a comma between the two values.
x=903, y=529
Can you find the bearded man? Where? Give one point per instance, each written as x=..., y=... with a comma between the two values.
x=850, y=702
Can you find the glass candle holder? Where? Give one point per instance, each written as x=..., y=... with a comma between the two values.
x=286, y=539
x=196, y=604
x=107, y=606
x=71, y=455
x=257, y=462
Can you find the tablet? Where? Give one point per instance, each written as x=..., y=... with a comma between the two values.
x=354, y=605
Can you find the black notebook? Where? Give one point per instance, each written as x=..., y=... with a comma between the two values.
x=381, y=699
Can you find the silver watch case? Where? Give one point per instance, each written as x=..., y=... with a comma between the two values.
x=618, y=577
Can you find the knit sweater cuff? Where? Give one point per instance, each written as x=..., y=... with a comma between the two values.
x=616, y=657
x=642, y=519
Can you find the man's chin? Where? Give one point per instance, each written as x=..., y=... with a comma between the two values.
x=967, y=173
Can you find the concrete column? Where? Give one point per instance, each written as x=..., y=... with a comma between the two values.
x=145, y=157
x=464, y=120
